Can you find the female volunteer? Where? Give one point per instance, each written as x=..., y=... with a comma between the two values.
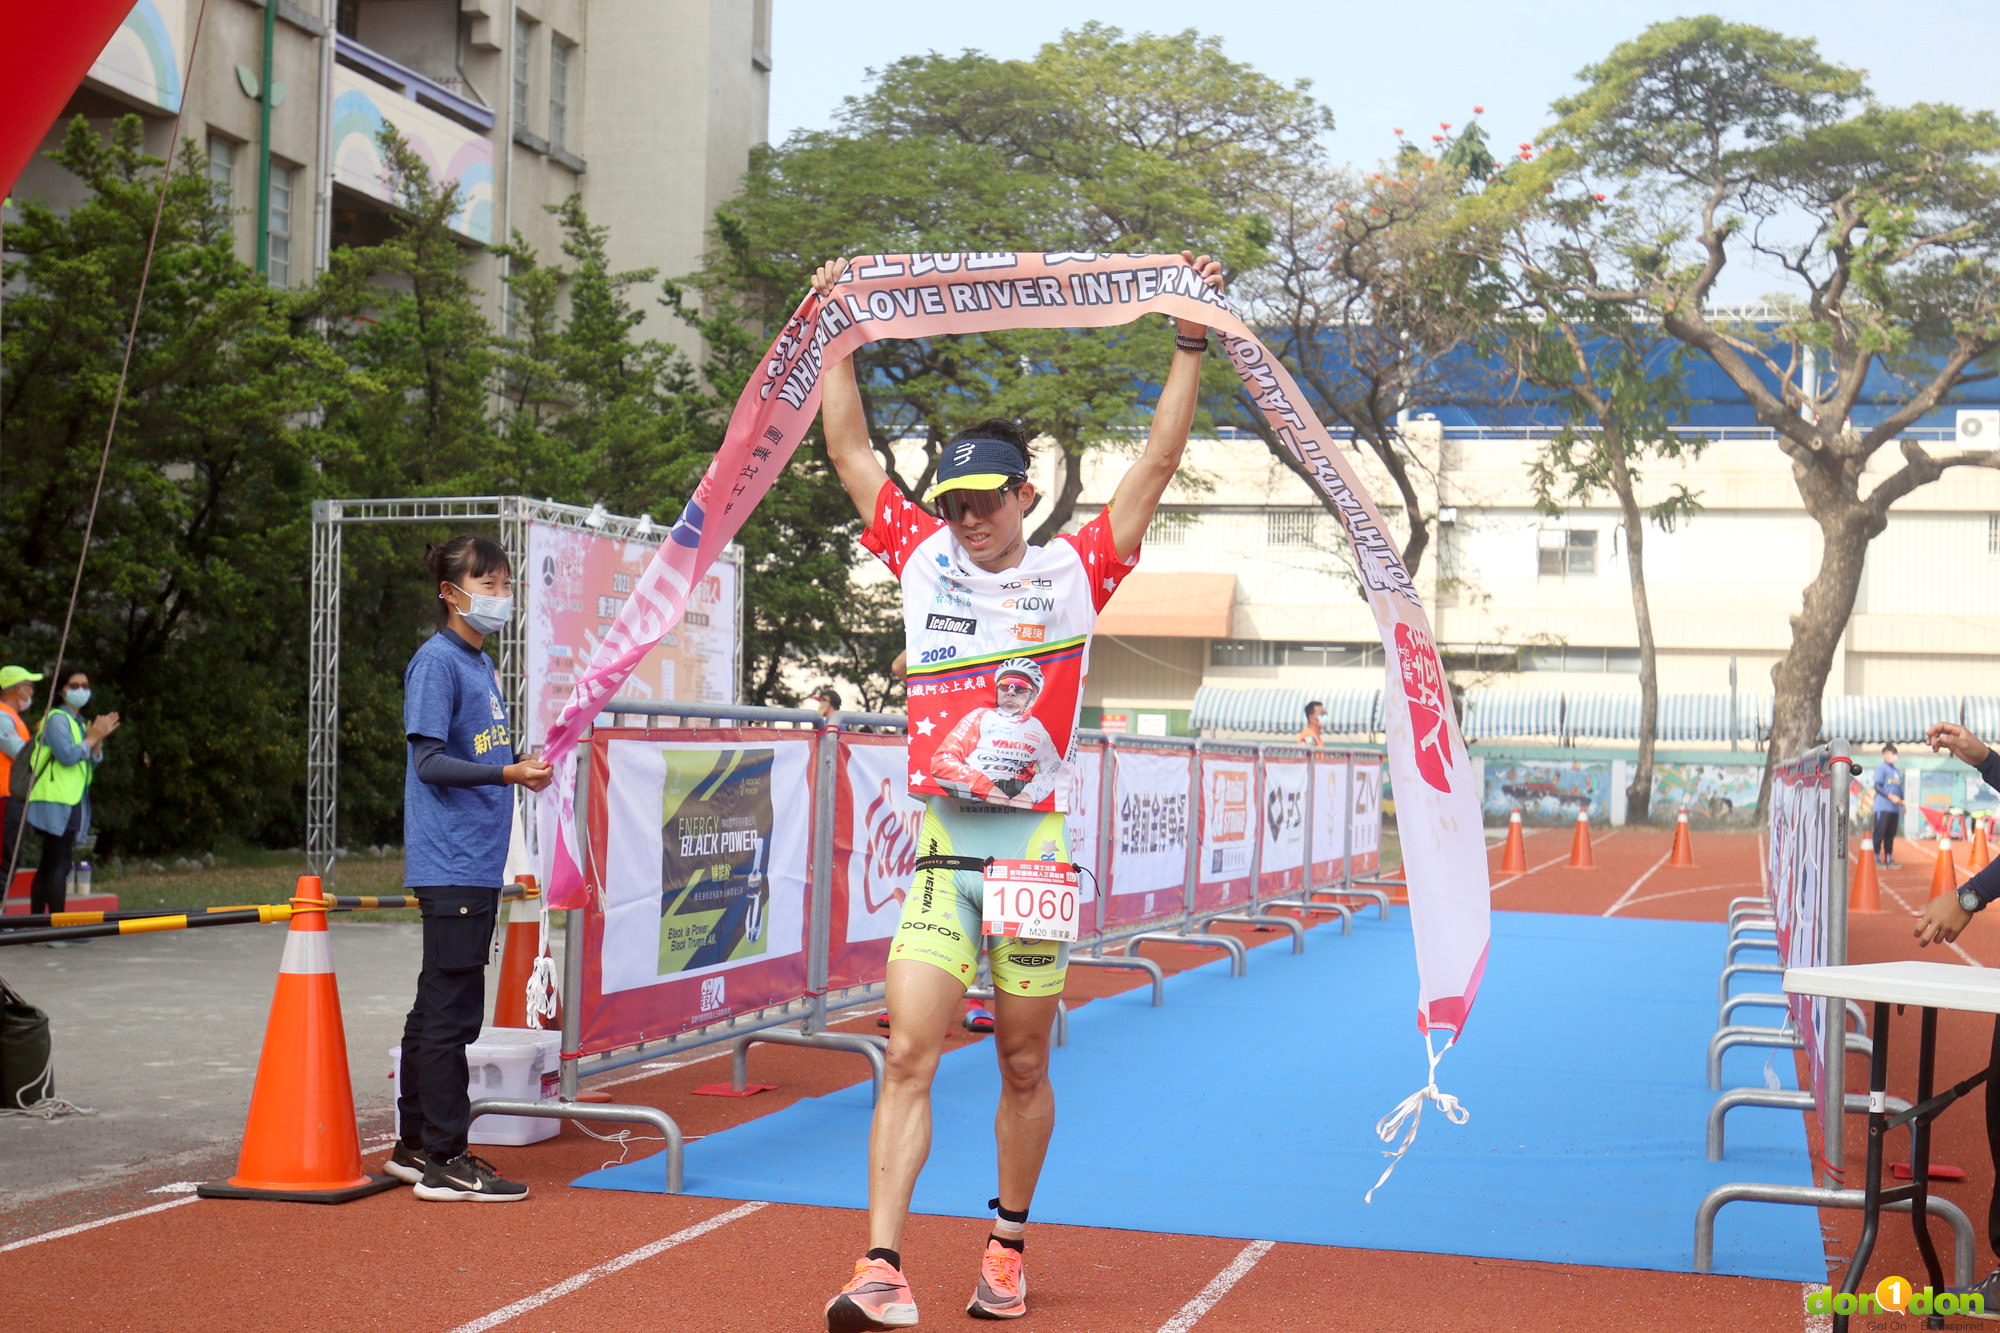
x=65, y=763
x=457, y=816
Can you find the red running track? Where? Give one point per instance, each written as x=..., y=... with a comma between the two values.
x=602, y=1260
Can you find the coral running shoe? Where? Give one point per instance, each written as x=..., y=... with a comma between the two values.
x=877, y=1297
x=1003, y=1288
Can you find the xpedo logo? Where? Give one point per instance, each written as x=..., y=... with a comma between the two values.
x=952, y=624
x=1018, y=584
x=1895, y=1295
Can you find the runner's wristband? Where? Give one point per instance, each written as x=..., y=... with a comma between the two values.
x=1187, y=344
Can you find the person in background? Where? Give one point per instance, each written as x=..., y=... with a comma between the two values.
x=827, y=702
x=457, y=817
x=1315, y=716
x=1941, y=921
x=1887, y=780
x=17, y=695
x=59, y=800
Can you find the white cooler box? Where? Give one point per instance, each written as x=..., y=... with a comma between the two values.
x=521, y=1064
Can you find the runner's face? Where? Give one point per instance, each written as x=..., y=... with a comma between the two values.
x=988, y=523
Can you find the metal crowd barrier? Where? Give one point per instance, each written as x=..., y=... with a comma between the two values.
x=1749, y=919
x=802, y=1020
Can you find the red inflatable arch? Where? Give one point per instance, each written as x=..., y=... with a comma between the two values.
x=45, y=50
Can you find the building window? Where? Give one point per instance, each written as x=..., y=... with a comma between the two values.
x=561, y=57
x=1169, y=529
x=1564, y=551
x=1277, y=652
x=280, y=268
x=222, y=176
x=1290, y=527
x=1993, y=534
x=524, y=37
x=1245, y=652
x=1569, y=657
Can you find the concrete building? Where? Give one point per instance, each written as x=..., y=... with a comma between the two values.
x=648, y=108
x=1246, y=584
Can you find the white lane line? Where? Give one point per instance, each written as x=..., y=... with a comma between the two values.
x=1637, y=882
x=1554, y=860
x=1218, y=1287
x=91, y=1226
x=606, y=1269
x=1817, y=1323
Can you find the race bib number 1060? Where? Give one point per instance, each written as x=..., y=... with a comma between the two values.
x=1030, y=900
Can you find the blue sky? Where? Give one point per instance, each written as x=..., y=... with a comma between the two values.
x=1383, y=66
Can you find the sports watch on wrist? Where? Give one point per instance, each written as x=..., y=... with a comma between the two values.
x=1969, y=899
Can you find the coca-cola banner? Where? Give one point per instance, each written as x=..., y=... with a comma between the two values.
x=1085, y=805
x=875, y=827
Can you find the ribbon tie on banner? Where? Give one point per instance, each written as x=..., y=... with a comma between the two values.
x=924, y=296
x=1411, y=1108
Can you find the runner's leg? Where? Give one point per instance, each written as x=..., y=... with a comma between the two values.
x=1027, y=1114
x=922, y=1001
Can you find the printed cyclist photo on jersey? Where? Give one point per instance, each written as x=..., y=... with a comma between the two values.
x=1002, y=753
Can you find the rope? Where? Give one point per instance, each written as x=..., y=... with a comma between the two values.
x=542, y=977
x=1411, y=1108
x=46, y=1106
x=118, y=396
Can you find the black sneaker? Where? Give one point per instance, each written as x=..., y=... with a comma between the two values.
x=408, y=1164
x=467, y=1177
x=1986, y=1291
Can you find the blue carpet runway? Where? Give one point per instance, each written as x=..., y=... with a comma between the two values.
x=1246, y=1108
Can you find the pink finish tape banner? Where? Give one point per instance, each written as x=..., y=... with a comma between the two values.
x=919, y=296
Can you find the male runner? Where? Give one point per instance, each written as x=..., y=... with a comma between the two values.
x=980, y=608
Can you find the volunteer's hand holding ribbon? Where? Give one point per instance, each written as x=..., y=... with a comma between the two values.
x=920, y=296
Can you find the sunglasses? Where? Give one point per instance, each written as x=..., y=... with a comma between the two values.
x=953, y=506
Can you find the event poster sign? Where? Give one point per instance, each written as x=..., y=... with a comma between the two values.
x=715, y=836
x=701, y=878
x=1228, y=821
x=1150, y=820
x=1087, y=782
x=577, y=582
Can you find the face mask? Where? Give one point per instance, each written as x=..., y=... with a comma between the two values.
x=76, y=699
x=487, y=614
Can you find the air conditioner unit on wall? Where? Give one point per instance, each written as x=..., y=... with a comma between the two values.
x=1980, y=428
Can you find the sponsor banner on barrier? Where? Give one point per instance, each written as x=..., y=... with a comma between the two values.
x=703, y=885
x=1283, y=811
x=1150, y=821
x=1366, y=846
x=1795, y=869
x=1329, y=818
x=1085, y=791
x=876, y=822
x=1229, y=822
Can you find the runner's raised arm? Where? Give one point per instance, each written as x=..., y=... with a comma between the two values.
x=843, y=419
x=1143, y=484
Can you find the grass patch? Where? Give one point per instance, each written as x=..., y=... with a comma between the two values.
x=245, y=878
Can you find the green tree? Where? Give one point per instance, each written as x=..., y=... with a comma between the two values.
x=189, y=612
x=1721, y=142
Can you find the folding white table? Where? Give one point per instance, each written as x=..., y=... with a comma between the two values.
x=1931, y=987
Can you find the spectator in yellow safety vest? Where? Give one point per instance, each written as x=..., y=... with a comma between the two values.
x=65, y=763
x=17, y=693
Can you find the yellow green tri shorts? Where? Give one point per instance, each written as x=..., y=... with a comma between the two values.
x=941, y=913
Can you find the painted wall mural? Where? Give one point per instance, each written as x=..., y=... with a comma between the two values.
x=455, y=153
x=143, y=58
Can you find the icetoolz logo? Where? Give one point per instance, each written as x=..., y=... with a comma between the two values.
x=1895, y=1295
x=952, y=624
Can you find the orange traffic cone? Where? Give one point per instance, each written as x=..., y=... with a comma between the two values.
x=1982, y=856
x=1866, y=893
x=517, y=962
x=1683, y=845
x=1514, y=856
x=1579, y=850
x=1944, y=874
x=301, y=1144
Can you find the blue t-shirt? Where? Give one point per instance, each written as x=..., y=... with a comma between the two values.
x=455, y=836
x=1888, y=780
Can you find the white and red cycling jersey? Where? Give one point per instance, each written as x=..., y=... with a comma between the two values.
x=960, y=622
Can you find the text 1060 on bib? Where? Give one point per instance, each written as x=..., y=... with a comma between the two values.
x=1030, y=900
